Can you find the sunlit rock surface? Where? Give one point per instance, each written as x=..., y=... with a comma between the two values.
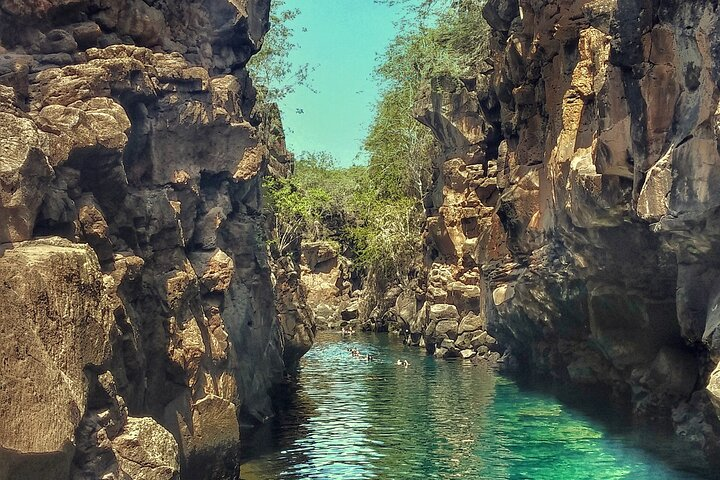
x=576, y=210
x=326, y=277
x=139, y=325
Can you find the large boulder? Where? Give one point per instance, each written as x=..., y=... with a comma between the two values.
x=55, y=324
x=145, y=450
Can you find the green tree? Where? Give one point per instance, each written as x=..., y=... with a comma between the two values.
x=387, y=239
x=400, y=148
x=315, y=202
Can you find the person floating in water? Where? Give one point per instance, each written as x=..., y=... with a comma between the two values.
x=402, y=363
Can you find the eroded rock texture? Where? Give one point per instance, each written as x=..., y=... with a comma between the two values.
x=576, y=216
x=139, y=326
x=326, y=276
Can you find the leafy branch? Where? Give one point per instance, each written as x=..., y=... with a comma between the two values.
x=275, y=74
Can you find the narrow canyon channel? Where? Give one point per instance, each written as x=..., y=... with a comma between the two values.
x=439, y=419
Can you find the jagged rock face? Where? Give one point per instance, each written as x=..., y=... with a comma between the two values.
x=130, y=228
x=294, y=312
x=578, y=193
x=463, y=230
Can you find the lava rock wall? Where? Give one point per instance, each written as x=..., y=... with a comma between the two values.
x=576, y=208
x=139, y=327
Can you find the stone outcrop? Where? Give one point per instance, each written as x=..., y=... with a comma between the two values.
x=575, y=214
x=52, y=330
x=139, y=325
x=326, y=278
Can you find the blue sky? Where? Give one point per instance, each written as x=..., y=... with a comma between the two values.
x=342, y=40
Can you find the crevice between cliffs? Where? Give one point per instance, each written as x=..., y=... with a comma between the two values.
x=566, y=227
x=563, y=221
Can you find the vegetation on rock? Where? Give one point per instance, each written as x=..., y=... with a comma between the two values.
x=275, y=75
x=376, y=212
x=322, y=201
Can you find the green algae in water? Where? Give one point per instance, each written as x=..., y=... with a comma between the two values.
x=351, y=419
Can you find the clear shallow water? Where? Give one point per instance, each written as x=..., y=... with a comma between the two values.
x=351, y=419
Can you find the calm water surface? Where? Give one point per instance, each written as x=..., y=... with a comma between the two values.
x=351, y=419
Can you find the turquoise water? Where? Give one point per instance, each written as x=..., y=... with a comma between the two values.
x=352, y=419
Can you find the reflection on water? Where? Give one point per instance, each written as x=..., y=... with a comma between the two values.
x=352, y=419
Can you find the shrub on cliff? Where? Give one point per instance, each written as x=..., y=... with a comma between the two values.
x=401, y=148
x=445, y=38
x=294, y=211
x=387, y=239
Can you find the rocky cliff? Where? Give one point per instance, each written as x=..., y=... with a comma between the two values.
x=575, y=223
x=139, y=328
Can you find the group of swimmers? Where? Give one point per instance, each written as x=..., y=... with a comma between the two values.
x=369, y=358
x=356, y=353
